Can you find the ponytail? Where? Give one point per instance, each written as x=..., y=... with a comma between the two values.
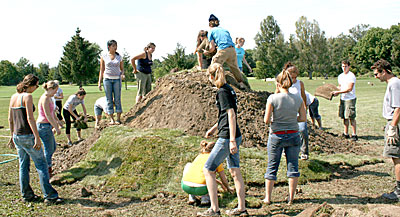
x=50, y=85
x=218, y=73
x=29, y=81
x=149, y=46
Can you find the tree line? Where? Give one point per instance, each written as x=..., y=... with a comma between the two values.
x=308, y=48
x=316, y=55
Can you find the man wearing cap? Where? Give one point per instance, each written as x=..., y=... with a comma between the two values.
x=391, y=112
x=226, y=49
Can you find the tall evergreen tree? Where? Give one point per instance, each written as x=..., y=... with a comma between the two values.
x=270, y=49
x=80, y=61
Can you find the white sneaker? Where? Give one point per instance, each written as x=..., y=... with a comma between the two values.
x=205, y=200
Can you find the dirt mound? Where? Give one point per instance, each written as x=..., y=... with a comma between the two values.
x=186, y=100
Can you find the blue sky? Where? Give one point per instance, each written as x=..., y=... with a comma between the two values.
x=38, y=29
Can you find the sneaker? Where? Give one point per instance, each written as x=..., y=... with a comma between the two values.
x=70, y=144
x=53, y=201
x=205, y=200
x=192, y=199
x=209, y=212
x=354, y=137
x=304, y=157
x=237, y=212
x=346, y=136
x=394, y=195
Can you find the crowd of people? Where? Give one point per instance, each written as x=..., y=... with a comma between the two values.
x=285, y=115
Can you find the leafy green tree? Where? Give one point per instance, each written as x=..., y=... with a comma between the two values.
x=54, y=74
x=270, y=49
x=177, y=61
x=80, y=61
x=250, y=60
x=43, y=72
x=9, y=74
x=312, y=46
x=357, y=32
x=375, y=45
x=340, y=48
x=128, y=68
x=25, y=67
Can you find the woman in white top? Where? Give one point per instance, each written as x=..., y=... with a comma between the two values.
x=112, y=73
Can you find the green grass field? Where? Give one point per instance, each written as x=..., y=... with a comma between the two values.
x=110, y=171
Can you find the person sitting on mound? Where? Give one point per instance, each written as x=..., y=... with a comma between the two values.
x=194, y=182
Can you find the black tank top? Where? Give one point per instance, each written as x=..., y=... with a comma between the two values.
x=20, y=117
x=144, y=65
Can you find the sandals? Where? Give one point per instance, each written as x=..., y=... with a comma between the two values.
x=237, y=212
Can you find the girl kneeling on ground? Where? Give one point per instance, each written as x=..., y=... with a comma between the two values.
x=194, y=182
x=283, y=134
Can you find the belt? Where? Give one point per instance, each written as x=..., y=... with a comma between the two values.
x=285, y=132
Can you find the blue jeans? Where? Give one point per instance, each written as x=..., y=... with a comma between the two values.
x=112, y=87
x=276, y=144
x=49, y=142
x=303, y=137
x=220, y=152
x=24, y=145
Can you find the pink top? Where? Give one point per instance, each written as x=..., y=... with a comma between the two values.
x=42, y=116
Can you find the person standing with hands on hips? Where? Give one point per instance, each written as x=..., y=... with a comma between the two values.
x=143, y=70
x=391, y=112
x=227, y=145
x=112, y=73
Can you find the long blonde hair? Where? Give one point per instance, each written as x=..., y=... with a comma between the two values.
x=284, y=78
x=218, y=74
x=50, y=85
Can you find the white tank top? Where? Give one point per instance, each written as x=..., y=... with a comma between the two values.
x=295, y=88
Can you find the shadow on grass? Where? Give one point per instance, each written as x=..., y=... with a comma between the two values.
x=101, y=204
x=98, y=168
x=346, y=199
x=351, y=173
x=371, y=138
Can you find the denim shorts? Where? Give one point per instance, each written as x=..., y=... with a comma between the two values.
x=220, y=152
x=276, y=144
x=97, y=110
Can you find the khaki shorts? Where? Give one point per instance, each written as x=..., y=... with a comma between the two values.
x=144, y=83
x=392, y=151
x=347, y=109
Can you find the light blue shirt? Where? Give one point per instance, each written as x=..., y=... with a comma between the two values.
x=240, y=54
x=221, y=37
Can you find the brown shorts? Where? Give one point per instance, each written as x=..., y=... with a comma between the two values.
x=393, y=150
x=347, y=109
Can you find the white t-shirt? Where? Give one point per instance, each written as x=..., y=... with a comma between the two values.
x=310, y=98
x=344, y=81
x=392, y=98
x=101, y=103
